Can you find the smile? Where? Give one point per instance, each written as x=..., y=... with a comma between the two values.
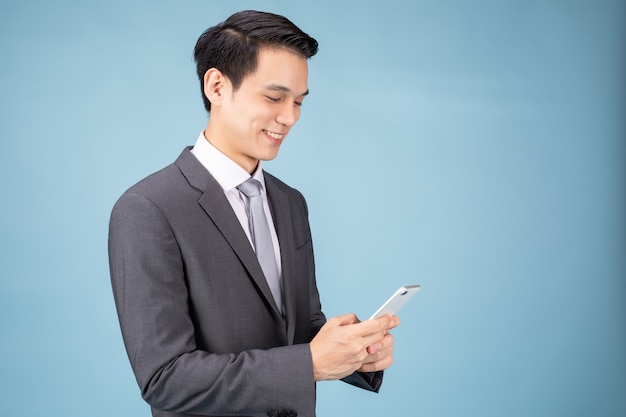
x=273, y=135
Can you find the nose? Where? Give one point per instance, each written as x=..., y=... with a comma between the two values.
x=289, y=114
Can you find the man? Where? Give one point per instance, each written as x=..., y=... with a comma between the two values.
x=210, y=325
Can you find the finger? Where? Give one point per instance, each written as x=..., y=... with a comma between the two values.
x=384, y=349
x=389, y=321
x=383, y=322
x=386, y=342
x=394, y=322
x=374, y=325
x=382, y=354
x=379, y=365
x=374, y=338
x=345, y=319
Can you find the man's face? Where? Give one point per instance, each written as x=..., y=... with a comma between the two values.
x=253, y=121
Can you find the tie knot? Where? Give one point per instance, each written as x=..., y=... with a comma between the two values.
x=250, y=187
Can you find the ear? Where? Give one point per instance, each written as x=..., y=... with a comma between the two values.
x=215, y=85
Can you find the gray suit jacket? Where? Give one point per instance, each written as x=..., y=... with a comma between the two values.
x=199, y=322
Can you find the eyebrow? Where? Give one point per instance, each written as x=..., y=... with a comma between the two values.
x=282, y=88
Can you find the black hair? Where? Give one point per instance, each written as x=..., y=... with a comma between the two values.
x=233, y=45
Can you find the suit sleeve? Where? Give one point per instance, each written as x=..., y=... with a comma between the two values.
x=370, y=381
x=150, y=292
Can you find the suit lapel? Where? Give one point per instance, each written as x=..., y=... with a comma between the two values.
x=216, y=205
x=279, y=204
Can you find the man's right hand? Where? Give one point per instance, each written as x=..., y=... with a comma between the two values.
x=343, y=346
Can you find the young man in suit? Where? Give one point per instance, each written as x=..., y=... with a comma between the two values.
x=210, y=326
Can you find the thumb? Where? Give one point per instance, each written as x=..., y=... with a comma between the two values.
x=345, y=319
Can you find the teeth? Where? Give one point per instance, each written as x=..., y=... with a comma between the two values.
x=274, y=135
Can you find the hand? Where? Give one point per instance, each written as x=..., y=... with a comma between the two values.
x=380, y=354
x=344, y=345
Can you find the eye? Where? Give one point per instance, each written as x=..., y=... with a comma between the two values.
x=273, y=99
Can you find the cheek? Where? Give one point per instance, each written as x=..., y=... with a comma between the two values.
x=257, y=113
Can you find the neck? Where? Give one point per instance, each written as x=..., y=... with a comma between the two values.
x=249, y=164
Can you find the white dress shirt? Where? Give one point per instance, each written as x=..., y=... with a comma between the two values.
x=229, y=175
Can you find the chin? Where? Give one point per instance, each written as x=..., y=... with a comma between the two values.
x=268, y=156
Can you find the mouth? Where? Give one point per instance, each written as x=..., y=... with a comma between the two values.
x=274, y=135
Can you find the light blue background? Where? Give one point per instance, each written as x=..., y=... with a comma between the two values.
x=483, y=142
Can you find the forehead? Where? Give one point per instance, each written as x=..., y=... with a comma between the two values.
x=279, y=69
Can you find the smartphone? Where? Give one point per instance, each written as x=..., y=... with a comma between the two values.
x=396, y=301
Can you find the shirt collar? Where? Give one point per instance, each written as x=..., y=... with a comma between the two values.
x=225, y=171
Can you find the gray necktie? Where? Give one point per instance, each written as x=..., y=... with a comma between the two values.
x=261, y=238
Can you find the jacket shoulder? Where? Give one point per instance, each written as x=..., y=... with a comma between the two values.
x=172, y=181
